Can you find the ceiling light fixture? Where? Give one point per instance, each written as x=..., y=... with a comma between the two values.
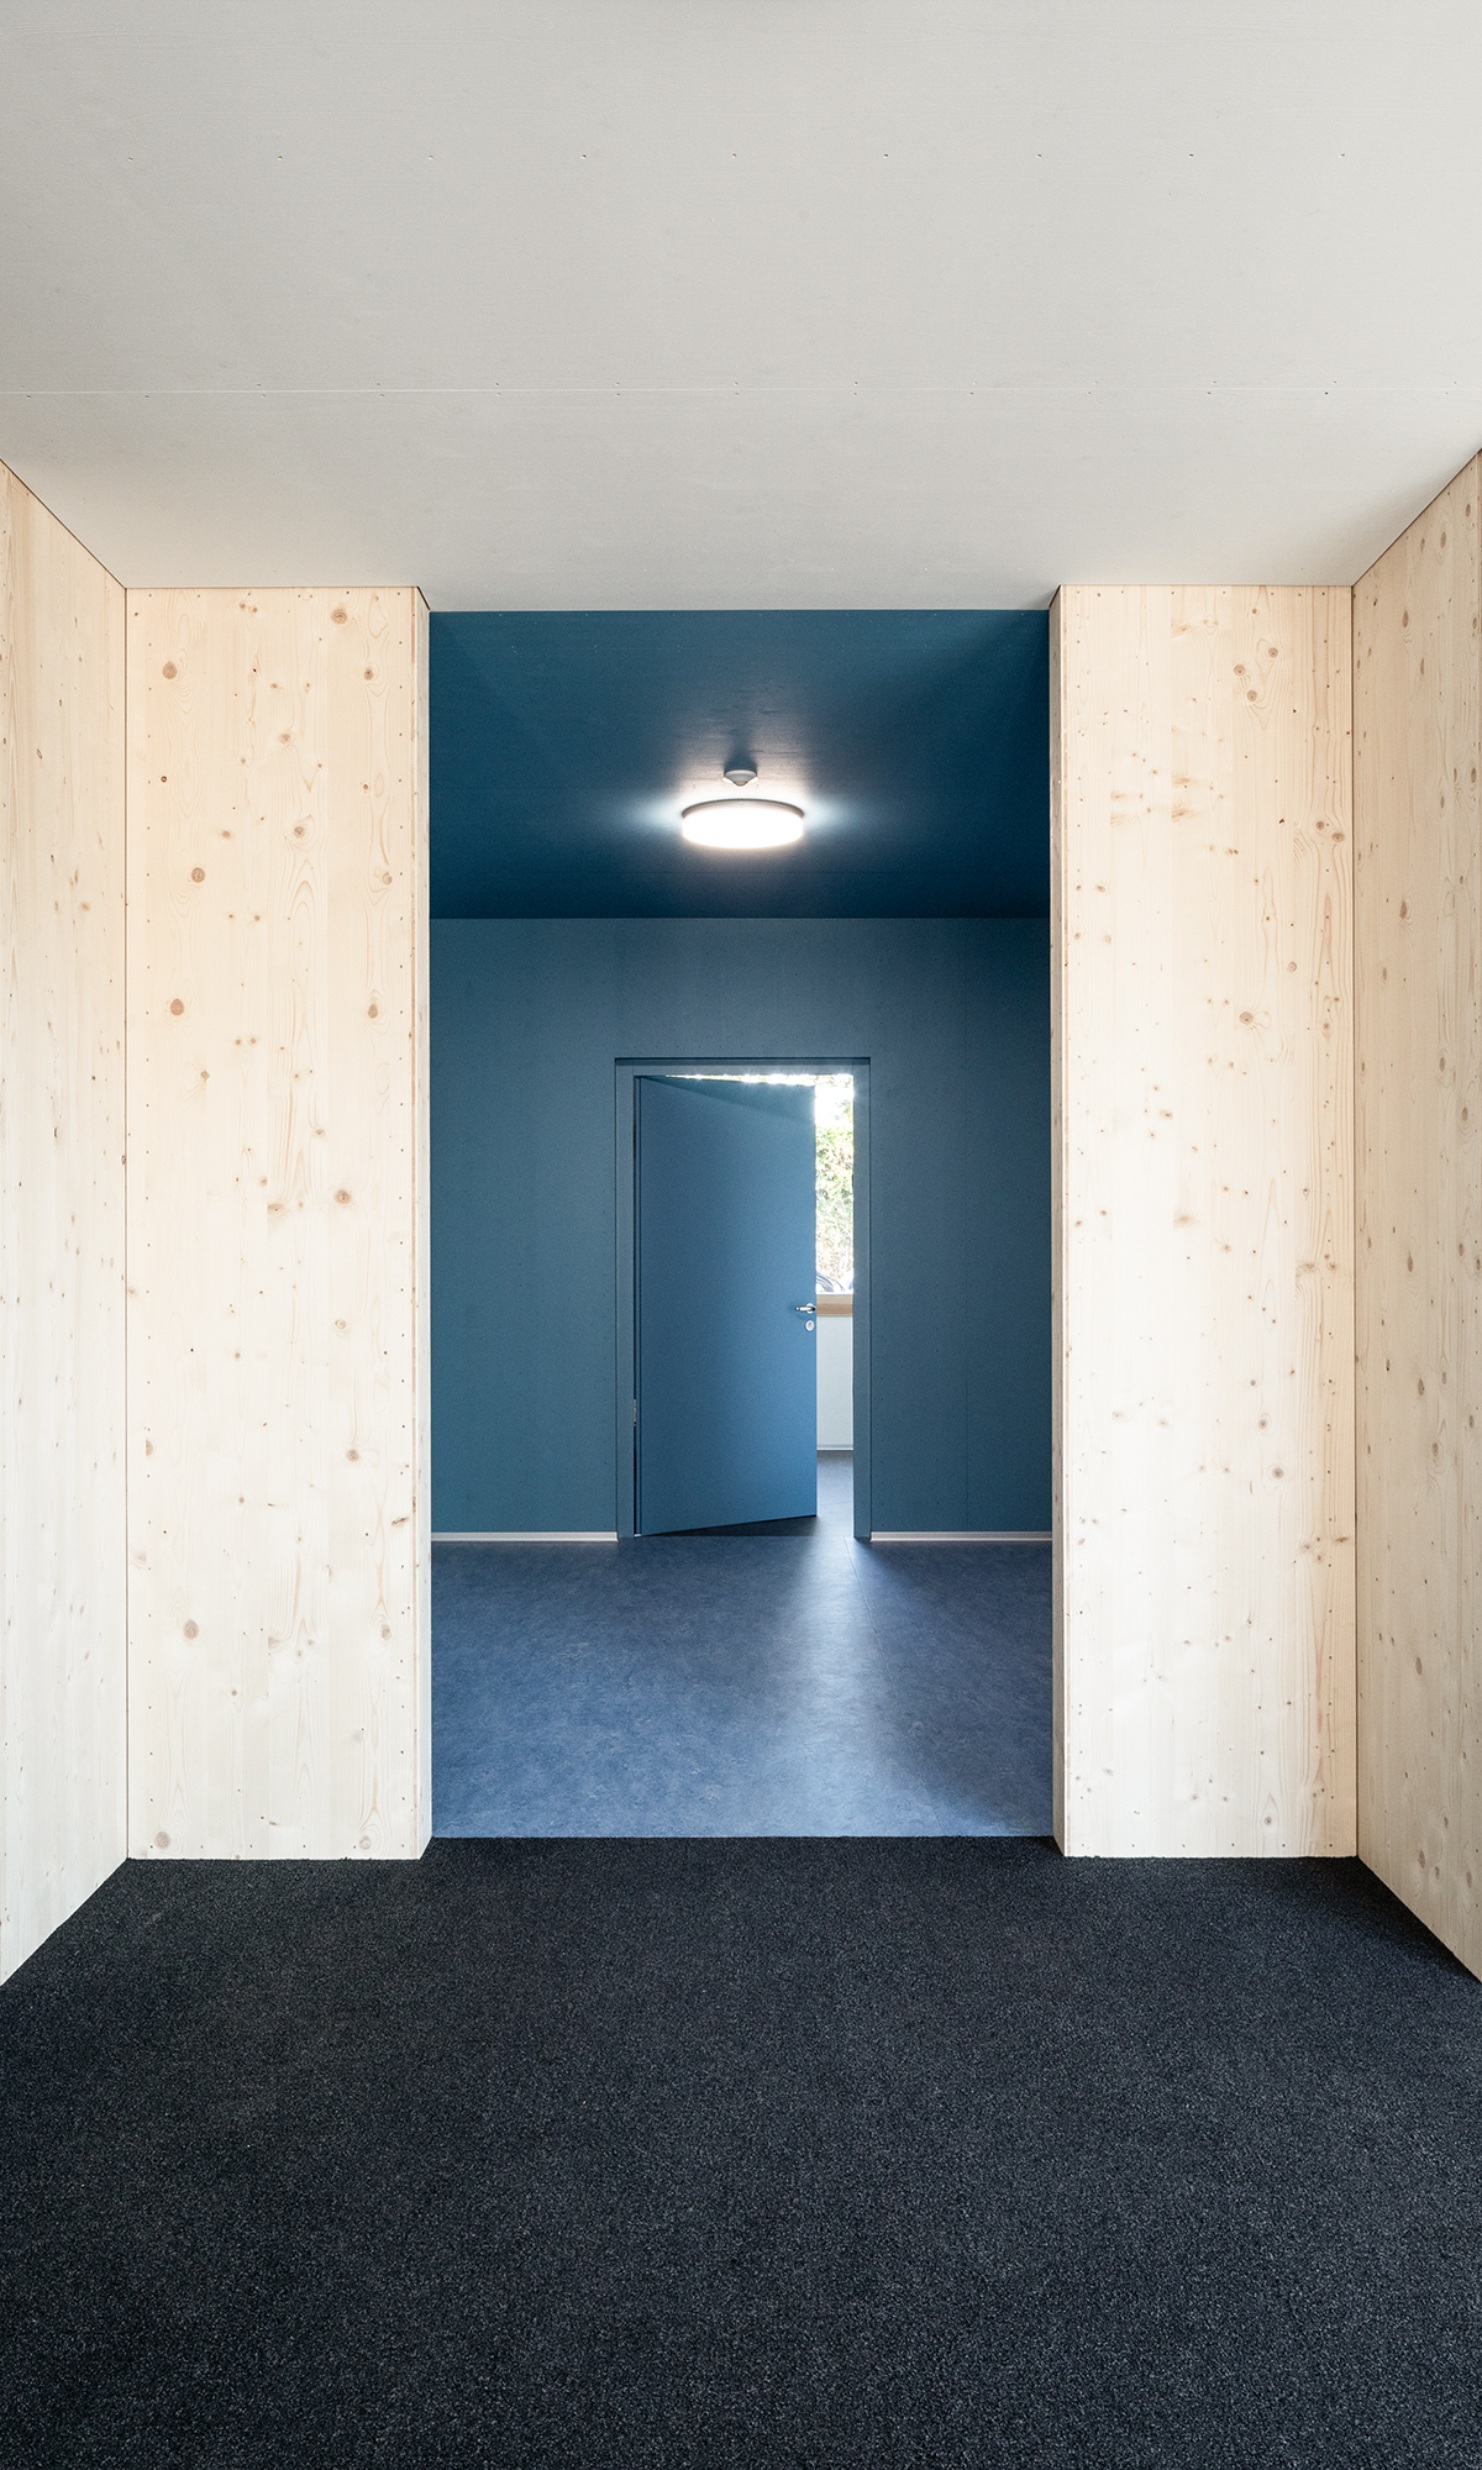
x=742, y=823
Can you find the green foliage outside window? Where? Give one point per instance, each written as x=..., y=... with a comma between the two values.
x=834, y=1115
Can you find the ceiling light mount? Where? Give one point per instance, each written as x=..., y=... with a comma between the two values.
x=740, y=775
x=742, y=823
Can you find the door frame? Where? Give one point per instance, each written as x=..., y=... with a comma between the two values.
x=627, y=1071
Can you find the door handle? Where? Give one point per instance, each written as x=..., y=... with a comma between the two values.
x=809, y=1308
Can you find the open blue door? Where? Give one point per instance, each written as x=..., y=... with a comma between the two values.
x=727, y=1380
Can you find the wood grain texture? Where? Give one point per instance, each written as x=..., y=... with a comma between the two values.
x=1418, y=820
x=277, y=1103
x=62, y=1593
x=1203, y=1209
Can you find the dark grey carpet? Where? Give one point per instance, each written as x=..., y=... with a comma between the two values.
x=780, y=2153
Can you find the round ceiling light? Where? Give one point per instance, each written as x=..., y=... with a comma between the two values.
x=742, y=823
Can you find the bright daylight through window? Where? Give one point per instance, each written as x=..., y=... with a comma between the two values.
x=833, y=1114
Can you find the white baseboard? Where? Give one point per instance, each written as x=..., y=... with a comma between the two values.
x=523, y=1535
x=608, y=1535
x=950, y=1535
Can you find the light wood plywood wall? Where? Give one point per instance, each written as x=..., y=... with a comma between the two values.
x=1418, y=819
x=1204, y=1213
x=62, y=1627
x=277, y=1118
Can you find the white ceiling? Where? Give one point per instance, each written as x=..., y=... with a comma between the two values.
x=739, y=303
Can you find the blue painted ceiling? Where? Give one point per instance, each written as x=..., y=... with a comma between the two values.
x=563, y=745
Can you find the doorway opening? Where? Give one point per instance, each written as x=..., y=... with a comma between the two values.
x=743, y=1336
x=880, y=1667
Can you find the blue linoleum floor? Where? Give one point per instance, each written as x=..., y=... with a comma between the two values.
x=792, y=1683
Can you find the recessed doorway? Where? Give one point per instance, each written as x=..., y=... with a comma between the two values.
x=710, y=1674
x=743, y=1210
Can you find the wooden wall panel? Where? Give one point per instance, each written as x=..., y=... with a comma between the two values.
x=1418, y=820
x=277, y=1086
x=62, y=1633
x=1204, y=1356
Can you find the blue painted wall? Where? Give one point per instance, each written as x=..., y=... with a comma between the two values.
x=528, y=1019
